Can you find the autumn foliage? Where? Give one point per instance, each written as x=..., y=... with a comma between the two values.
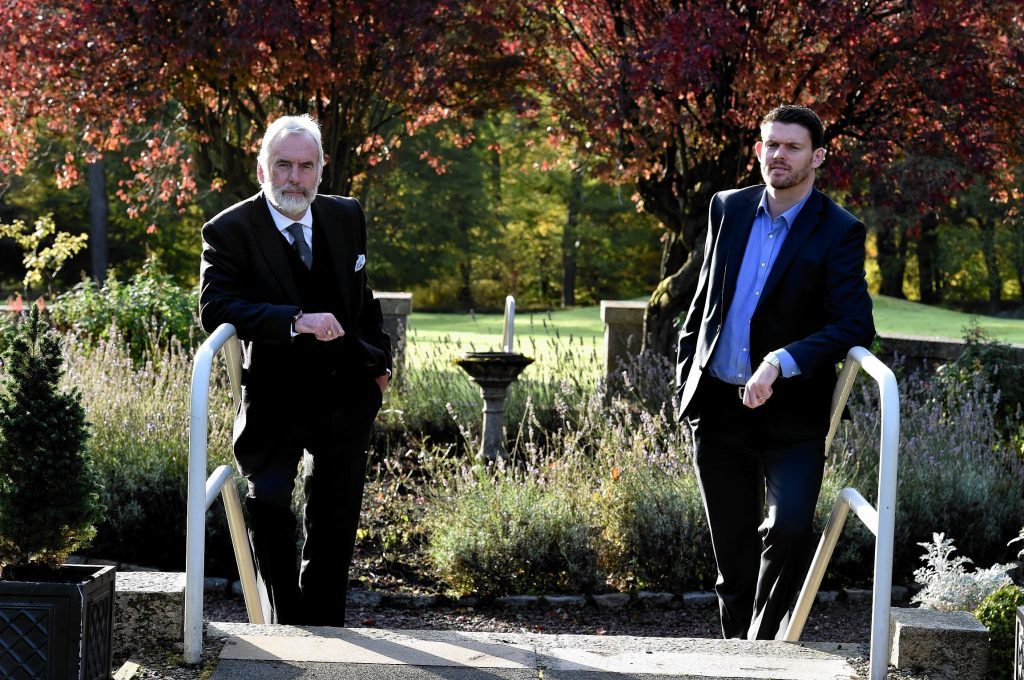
x=191, y=86
x=661, y=93
x=670, y=93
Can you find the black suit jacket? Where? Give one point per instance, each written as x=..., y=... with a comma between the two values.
x=814, y=304
x=246, y=280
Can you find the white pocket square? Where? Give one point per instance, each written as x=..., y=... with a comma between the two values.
x=360, y=262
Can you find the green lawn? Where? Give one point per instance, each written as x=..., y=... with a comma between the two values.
x=542, y=334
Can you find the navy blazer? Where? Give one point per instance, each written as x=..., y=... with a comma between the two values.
x=814, y=304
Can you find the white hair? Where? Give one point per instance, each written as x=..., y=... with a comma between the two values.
x=286, y=126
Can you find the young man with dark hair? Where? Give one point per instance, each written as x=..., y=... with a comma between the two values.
x=780, y=300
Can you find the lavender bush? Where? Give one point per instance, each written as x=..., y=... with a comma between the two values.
x=956, y=472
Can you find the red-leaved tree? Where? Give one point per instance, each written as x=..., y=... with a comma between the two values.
x=671, y=93
x=193, y=84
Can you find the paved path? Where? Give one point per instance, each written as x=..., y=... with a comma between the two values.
x=254, y=652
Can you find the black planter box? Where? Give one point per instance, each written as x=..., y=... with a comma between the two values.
x=59, y=630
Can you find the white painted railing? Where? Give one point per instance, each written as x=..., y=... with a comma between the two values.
x=202, y=492
x=881, y=522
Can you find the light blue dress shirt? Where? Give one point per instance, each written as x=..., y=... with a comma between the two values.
x=731, y=361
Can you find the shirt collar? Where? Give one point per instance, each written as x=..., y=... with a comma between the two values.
x=790, y=215
x=282, y=221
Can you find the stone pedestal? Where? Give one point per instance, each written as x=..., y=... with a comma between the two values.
x=149, y=610
x=396, y=308
x=494, y=372
x=949, y=644
x=623, y=330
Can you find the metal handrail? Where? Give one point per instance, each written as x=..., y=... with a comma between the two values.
x=202, y=492
x=881, y=522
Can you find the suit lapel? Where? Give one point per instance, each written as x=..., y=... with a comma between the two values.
x=269, y=241
x=806, y=222
x=738, y=222
x=331, y=225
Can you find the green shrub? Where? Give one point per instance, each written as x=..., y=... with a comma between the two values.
x=49, y=494
x=999, y=612
x=140, y=416
x=655, y=536
x=149, y=312
x=505, y=535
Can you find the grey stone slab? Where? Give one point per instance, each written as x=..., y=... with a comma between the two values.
x=700, y=597
x=859, y=595
x=363, y=646
x=576, y=601
x=291, y=670
x=612, y=600
x=216, y=584
x=649, y=599
x=518, y=601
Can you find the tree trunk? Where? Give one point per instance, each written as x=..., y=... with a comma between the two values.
x=569, y=242
x=892, y=261
x=99, y=209
x=994, y=280
x=929, y=276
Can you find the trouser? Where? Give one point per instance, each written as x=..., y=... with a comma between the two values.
x=332, y=444
x=741, y=463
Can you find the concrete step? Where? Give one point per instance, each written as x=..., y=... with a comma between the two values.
x=257, y=652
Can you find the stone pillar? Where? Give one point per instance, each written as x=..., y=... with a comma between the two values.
x=396, y=308
x=623, y=330
x=948, y=644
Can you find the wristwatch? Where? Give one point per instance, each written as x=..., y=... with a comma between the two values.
x=773, y=360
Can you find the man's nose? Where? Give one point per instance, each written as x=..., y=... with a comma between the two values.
x=293, y=173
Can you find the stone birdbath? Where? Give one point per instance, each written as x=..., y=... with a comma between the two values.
x=494, y=372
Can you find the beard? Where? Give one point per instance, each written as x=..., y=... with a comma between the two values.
x=793, y=177
x=293, y=205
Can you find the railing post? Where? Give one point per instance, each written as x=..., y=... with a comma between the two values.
x=881, y=521
x=197, y=501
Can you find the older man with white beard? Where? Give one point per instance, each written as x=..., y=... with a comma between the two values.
x=287, y=268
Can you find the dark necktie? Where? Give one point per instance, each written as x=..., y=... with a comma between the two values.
x=300, y=245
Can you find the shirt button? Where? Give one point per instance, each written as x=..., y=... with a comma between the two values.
x=744, y=349
x=771, y=235
x=764, y=264
x=757, y=292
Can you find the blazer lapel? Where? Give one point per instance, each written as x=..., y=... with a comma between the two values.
x=738, y=222
x=331, y=227
x=806, y=222
x=268, y=240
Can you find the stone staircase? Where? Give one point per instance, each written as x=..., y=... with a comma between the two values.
x=286, y=652
x=149, y=611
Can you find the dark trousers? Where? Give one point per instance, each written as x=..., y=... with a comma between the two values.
x=331, y=440
x=742, y=462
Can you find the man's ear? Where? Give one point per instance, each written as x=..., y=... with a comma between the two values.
x=260, y=175
x=757, y=150
x=819, y=157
